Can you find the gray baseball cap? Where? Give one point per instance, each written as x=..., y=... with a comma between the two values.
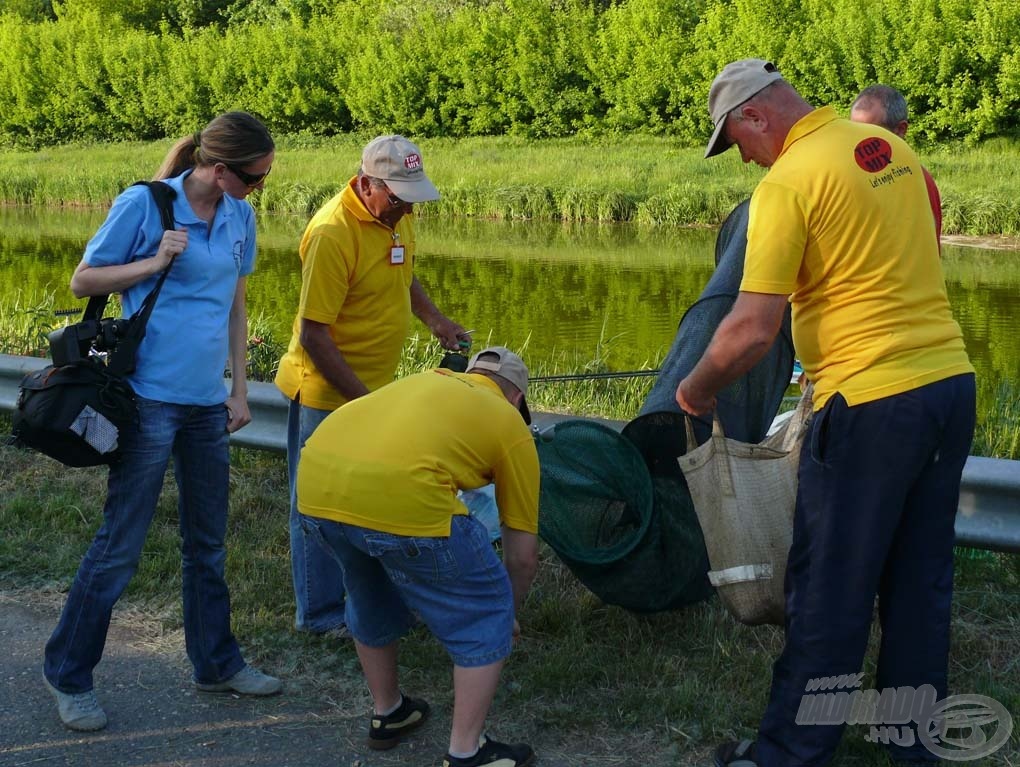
x=739, y=81
x=507, y=365
x=398, y=162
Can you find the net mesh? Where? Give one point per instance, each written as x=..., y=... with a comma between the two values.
x=614, y=506
x=629, y=536
x=747, y=406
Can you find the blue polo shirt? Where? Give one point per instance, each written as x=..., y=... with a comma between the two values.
x=184, y=353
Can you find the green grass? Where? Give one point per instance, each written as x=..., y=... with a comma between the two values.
x=645, y=179
x=24, y=327
x=997, y=434
x=596, y=682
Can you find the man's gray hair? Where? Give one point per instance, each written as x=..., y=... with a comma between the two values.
x=892, y=101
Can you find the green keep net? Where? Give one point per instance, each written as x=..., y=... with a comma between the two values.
x=630, y=536
x=614, y=506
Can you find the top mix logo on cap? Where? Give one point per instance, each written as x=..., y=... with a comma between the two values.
x=412, y=161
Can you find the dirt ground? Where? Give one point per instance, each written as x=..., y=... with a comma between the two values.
x=991, y=242
x=158, y=719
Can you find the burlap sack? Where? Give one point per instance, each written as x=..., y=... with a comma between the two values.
x=744, y=496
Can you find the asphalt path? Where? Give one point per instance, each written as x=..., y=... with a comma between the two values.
x=158, y=718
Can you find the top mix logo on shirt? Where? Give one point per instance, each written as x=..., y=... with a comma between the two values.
x=873, y=154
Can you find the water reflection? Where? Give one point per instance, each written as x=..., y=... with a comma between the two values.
x=569, y=294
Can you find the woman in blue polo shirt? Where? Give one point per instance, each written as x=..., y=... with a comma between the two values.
x=198, y=325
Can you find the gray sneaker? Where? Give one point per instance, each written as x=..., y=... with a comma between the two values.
x=78, y=711
x=248, y=681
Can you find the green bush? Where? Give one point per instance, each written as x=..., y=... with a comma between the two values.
x=101, y=70
x=644, y=47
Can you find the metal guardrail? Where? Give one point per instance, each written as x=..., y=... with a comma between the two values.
x=267, y=430
x=988, y=515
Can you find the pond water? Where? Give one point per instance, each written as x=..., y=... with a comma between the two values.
x=567, y=294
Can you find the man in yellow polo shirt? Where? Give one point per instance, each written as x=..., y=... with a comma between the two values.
x=377, y=487
x=358, y=292
x=840, y=227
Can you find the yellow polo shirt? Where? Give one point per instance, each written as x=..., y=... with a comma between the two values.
x=394, y=460
x=348, y=281
x=842, y=223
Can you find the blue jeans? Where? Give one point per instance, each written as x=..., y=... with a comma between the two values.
x=318, y=579
x=456, y=584
x=878, y=491
x=196, y=437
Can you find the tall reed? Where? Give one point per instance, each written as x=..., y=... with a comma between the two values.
x=24, y=327
x=631, y=178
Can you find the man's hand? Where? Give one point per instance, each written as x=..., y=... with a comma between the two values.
x=448, y=333
x=693, y=402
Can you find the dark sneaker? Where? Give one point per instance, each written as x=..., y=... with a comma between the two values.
x=248, y=681
x=735, y=754
x=384, y=731
x=493, y=754
x=78, y=711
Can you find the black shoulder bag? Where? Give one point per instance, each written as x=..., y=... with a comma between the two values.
x=74, y=409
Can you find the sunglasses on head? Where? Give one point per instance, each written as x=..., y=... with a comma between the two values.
x=249, y=179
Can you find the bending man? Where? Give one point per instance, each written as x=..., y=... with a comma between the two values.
x=377, y=487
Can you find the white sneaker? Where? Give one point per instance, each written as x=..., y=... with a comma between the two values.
x=248, y=681
x=78, y=711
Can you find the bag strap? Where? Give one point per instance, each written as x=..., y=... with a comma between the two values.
x=122, y=360
x=723, y=469
x=164, y=196
x=692, y=440
x=800, y=419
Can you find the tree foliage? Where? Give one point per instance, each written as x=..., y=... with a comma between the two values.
x=138, y=69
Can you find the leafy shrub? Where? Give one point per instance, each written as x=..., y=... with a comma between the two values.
x=103, y=70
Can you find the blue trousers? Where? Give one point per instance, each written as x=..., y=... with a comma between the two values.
x=318, y=579
x=876, y=504
x=197, y=438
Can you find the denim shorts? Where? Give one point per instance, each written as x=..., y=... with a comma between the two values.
x=457, y=586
